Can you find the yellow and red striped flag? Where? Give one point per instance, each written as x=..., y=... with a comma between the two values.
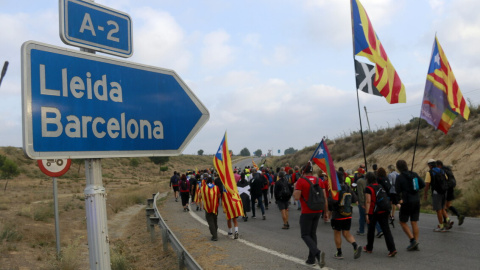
x=210, y=198
x=233, y=206
x=367, y=44
x=254, y=164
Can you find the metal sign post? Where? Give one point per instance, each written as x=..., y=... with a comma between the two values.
x=95, y=204
x=55, y=168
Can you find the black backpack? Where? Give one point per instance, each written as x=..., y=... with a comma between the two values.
x=382, y=201
x=316, y=198
x=183, y=185
x=451, y=182
x=438, y=180
x=285, y=192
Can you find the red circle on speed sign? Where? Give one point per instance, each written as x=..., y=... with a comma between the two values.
x=54, y=167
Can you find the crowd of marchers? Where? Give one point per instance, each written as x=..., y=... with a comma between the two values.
x=378, y=194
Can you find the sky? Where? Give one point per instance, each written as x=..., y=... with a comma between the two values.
x=273, y=74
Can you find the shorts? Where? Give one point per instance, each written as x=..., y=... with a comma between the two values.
x=438, y=201
x=409, y=211
x=394, y=198
x=341, y=224
x=282, y=205
x=175, y=188
x=450, y=195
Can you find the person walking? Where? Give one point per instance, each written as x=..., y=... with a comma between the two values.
x=407, y=186
x=361, y=184
x=342, y=220
x=256, y=184
x=210, y=195
x=244, y=191
x=309, y=218
x=450, y=195
x=174, y=184
x=432, y=178
x=283, y=192
x=184, y=187
x=373, y=216
x=392, y=178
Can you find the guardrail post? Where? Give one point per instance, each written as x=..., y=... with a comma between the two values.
x=153, y=222
x=165, y=239
x=181, y=260
x=149, y=212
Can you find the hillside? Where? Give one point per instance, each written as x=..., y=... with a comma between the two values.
x=458, y=149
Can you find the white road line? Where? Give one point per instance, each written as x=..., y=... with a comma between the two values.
x=264, y=249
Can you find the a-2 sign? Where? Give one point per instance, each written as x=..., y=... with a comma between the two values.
x=80, y=105
x=90, y=25
x=54, y=167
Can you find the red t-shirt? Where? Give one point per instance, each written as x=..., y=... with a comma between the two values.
x=304, y=187
x=372, y=190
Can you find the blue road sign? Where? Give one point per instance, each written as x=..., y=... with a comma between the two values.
x=80, y=105
x=93, y=26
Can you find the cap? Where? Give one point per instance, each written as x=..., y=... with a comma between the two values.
x=431, y=161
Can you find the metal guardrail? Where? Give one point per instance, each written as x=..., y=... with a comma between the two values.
x=185, y=260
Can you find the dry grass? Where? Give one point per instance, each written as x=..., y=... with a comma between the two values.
x=27, y=230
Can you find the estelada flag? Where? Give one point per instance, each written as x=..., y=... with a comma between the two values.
x=322, y=158
x=254, y=164
x=366, y=43
x=223, y=163
x=442, y=99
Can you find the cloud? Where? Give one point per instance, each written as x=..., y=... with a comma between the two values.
x=216, y=52
x=159, y=40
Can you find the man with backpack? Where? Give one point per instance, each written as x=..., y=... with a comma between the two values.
x=283, y=192
x=436, y=181
x=311, y=193
x=408, y=185
x=342, y=219
x=174, y=184
x=184, y=186
x=377, y=205
x=450, y=196
x=256, y=184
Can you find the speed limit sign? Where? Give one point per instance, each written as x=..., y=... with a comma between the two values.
x=54, y=167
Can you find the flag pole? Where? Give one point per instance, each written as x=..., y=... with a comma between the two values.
x=416, y=140
x=358, y=99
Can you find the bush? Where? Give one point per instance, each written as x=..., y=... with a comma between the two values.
x=10, y=234
x=134, y=162
x=468, y=203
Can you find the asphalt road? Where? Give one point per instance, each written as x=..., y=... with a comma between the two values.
x=263, y=244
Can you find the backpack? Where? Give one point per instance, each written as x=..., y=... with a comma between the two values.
x=288, y=177
x=439, y=180
x=183, y=185
x=175, y=180
x=345, y=203
x=285, y=192
x=451, y=182
x=382, y=201
x=316, y=199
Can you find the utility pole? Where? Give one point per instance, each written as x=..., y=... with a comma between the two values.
x=368, y=122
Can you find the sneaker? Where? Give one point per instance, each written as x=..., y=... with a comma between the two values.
x=358, y=252
x=310, y=263
x=438, y=229
x=360, y=233
x=235, y=236
x=254, y=217
x=188, y=209
x=379, y=235
x=176, y=199
x=392, y=254
x=338, y=256
x=214, y=239
x=285, y=227
x=449, y=225
x=184, y=209
x=392, y=221
x=264, y=217
x=413, y=246
x=198, y=208
x=461, y=218
x=321, y=259
x=230, y=234
x=365, y=250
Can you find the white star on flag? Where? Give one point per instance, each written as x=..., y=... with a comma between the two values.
x=437, y=59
